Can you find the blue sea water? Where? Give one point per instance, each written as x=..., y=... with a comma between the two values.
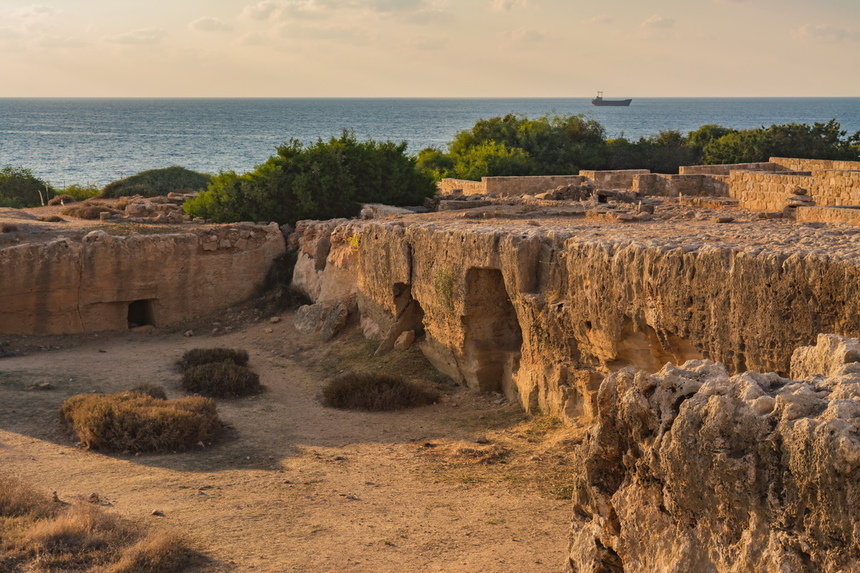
x=66, y=141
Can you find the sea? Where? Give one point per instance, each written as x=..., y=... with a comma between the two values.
x=93, y=141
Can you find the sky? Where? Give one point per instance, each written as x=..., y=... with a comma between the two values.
x=430, y=48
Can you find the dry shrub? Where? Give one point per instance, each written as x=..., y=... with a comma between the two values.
x=18, y=499
x=52, y=219
x=87, y=210
x=131, y=422
x=62, y=200
x=375, y=392
x=221, y=380
x=79, y=537
x=200, y=356
x=8, y=227
x=158, y=552
x=150, y=390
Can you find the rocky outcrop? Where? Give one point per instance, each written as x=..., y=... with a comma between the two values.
x=106, y=282
x=539, y=312
x=690, y=469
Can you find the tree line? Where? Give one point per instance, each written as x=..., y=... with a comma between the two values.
x=332, y=178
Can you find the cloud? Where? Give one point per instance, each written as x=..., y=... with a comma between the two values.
x=321, y=33
x=826, y=33
x=658, y=22
x=264, y=10
x=527, y=36
x=254, y=39
x=36, y=11
x=61, y=42
x=508, y=5
x=209, y=24
x=142, y=37
x=10, y=34
x=599, y=19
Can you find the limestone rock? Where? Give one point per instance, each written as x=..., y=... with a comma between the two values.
x=692, y=470
x=327, y=318
x=405, y=340
x=828, y=357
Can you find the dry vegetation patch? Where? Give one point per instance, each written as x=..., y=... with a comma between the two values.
x=221, y=380
x=40, y=535
x=87, y=210
x=375, y=392
x=200, y=356
x=133, y=422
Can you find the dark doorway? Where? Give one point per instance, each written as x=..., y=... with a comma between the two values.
x=140, y=313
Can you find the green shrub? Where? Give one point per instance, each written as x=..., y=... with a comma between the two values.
x=20, y=188
x=375, y=392
x=157, y=182
x=81, y=192
x=151, y=390
x=221, y=380
x=139, y=423
x=199, y=356
x=322, y=181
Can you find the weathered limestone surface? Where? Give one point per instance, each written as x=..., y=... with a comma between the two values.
x=69, y=286
x=692, y=470
x=535, y=312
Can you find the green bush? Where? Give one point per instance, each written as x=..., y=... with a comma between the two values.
x=199, y=356
x=156, y=182
x=136, y=422
x=322, y=181
x=375, y=392
x=20, y=188
x=81, y=192
x=221, y=380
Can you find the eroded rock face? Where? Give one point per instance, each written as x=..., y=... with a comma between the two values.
x=105, y=282
x=690, y=469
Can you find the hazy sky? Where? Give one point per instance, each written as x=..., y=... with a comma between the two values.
x=437, y=48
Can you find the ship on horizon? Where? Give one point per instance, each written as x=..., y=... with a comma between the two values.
x=599, y=101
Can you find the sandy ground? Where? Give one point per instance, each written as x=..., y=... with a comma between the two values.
x=292, y=485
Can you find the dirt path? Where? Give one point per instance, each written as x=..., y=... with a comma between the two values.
x=295, y=486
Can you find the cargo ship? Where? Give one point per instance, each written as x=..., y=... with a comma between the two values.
x=599, y=101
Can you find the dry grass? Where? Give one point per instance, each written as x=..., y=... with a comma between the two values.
x=536, y=454
x=39, y=535
x=87, y=210
x=375, y=392
x=221, y=380
x=200, y=356
x=61, y=200
x=152, y=390
x=133, y=422
x=52, y=219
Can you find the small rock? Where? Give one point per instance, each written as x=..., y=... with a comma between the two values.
x=722, y=219
x=482, y=440
x=157, y=513
x=188, y=333
x=275, y=319
x=405, y=340
x=268, y=330
x=94, y=498
x=144, y=329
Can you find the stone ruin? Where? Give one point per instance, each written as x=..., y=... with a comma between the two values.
x=671, y=332
x=674, y=322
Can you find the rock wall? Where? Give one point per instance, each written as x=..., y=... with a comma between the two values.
x=727, y=168
x=798, y=164
x=692, y=470
x=773, y=191
x=613, y=179
x=507, y=186
x=540, y=312
x=103, y=282
x=655, y=184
